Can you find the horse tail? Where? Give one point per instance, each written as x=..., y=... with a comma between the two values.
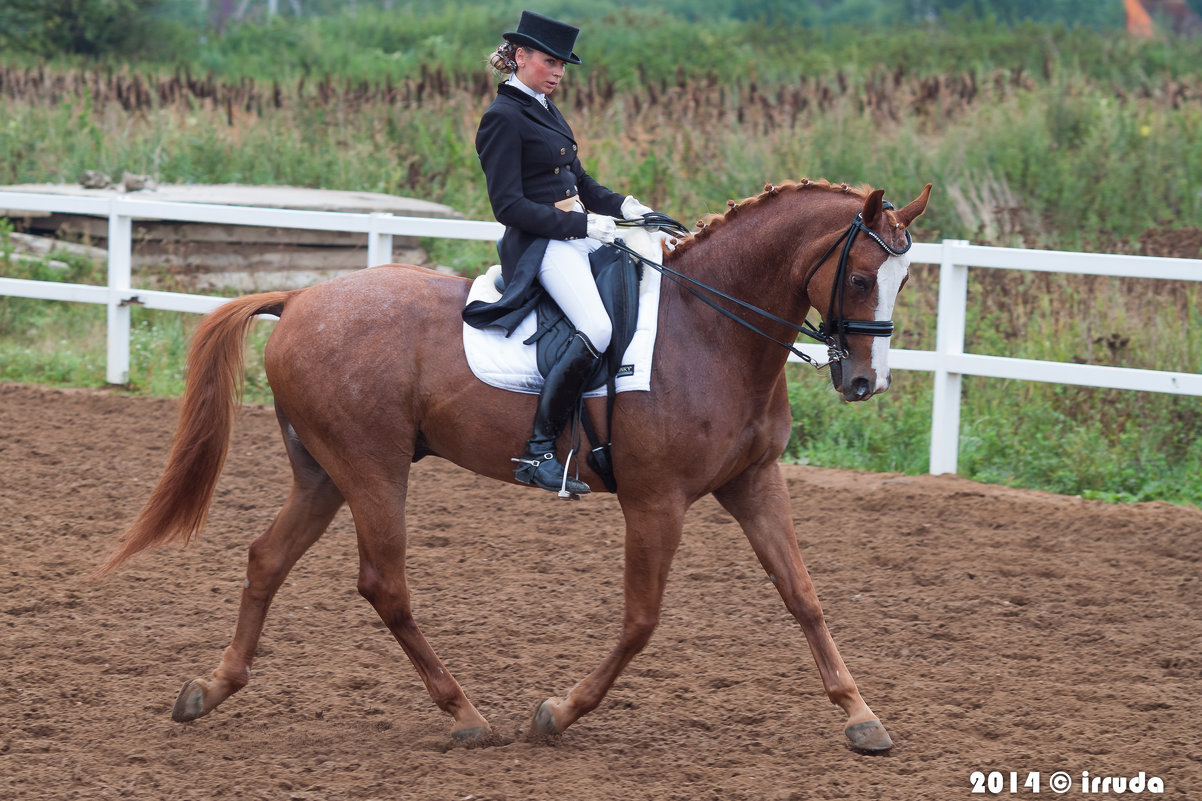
x=179, y=505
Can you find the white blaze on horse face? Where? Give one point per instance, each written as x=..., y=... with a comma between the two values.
x=888, y=283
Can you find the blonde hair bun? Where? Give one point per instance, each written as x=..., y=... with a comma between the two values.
x=501, y=59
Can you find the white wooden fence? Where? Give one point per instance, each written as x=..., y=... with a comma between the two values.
x=948, y=361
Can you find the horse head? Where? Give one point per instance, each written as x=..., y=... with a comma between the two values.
x=854, y=286
x=843, y=249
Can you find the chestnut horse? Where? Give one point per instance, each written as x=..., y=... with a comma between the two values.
x=369, y=375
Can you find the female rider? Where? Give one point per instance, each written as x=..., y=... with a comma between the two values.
x=555, y=215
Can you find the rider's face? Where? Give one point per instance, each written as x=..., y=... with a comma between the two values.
x=538, y=70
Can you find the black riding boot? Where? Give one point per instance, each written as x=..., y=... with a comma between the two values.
x=560, y=394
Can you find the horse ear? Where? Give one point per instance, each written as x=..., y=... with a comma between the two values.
x=872, y=206
x=915, y=208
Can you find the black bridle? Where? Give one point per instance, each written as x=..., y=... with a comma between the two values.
x=833, y=333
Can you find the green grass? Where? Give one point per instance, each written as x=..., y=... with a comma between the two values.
x=37, y=338
x=58, y=343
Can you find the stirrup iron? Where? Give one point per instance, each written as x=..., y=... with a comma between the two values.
x=563, y=486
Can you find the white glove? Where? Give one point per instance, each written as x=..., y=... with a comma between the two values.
x=633, y=210
x=602, y=228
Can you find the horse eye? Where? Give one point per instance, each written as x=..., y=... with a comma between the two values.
x=859, y=282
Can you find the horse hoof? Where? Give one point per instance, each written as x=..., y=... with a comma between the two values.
x=473, y=736
x=869, y=736
x=543, y=724
x=190, y=704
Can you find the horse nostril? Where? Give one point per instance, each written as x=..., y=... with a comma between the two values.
x=860, y=388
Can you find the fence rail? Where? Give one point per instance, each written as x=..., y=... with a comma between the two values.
x=947, y=361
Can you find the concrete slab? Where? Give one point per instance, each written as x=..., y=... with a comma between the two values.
x=273, y=197
x=225, y=249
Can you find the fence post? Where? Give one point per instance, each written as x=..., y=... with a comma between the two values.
x=949, y=341
x=120, y=247
x=379, y=244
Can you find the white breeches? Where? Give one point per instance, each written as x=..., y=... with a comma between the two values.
x=568, y=278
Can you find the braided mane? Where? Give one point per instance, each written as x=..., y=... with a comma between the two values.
x=707, y=224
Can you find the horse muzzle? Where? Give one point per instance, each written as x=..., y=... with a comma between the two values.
x=855, y=384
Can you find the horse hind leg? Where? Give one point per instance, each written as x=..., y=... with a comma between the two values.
x=305, y=516
x=381, y=531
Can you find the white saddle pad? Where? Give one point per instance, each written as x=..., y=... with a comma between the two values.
x=507, y=363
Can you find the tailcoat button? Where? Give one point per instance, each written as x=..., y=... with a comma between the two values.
x=563, y=151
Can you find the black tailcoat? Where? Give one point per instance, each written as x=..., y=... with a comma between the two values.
x=529, y=158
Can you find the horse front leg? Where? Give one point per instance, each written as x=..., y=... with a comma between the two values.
x=759, y=501
x=652, y=537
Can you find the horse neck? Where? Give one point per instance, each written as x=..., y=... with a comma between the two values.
x=760, y=253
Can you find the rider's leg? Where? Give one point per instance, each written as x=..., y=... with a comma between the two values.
x=568, y=279
x=560, y=393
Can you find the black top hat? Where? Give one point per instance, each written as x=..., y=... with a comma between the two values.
x=548, y=35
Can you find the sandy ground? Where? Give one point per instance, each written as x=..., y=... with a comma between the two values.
x=991, y=629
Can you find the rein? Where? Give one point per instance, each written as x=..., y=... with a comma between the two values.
x=833, y=335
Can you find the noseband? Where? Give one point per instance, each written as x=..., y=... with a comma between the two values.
x=832, y=333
